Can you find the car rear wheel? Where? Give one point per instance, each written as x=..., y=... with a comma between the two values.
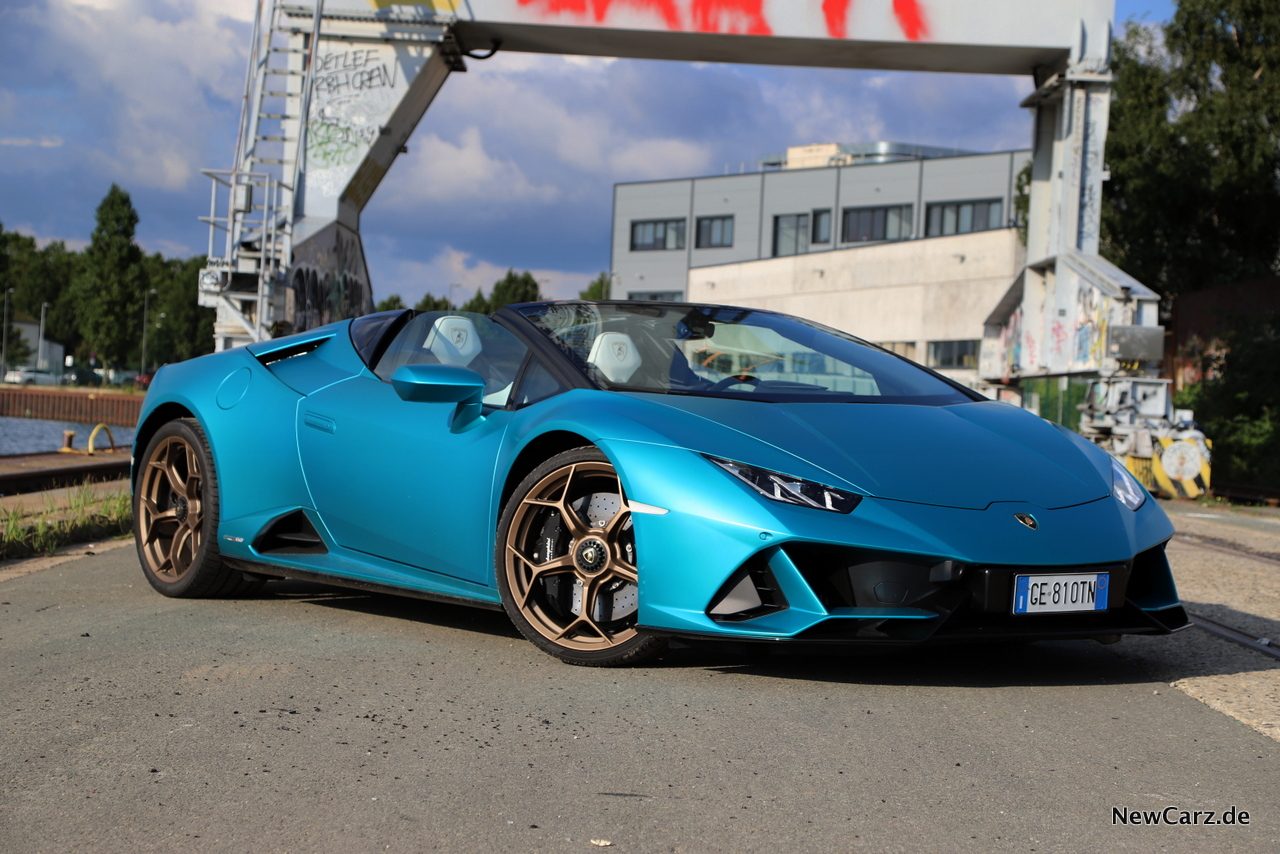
x=566, y=561
x=175, y=517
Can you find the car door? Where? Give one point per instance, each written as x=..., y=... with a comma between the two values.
x=403, y=480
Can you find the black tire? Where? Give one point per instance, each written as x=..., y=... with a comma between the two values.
x=551, y=560
x=175, y=517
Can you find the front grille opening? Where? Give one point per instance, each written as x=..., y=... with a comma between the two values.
x=291, y=534
x=750, y=592
x=852, y=578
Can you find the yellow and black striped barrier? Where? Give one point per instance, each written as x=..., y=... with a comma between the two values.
x=1178, y=468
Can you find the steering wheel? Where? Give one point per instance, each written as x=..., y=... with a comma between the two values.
x=738, y=380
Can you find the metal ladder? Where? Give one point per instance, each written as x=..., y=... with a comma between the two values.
x=252, y=205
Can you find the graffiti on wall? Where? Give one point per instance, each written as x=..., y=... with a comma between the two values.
x=1089, y=340
x=354, y=89
x=745, y=17
x=329, y=280
x=1011, y=344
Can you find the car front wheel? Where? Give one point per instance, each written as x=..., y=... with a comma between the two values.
x=175, y=517
x=566, y=563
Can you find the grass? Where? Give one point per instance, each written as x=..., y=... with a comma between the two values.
x=46, y=529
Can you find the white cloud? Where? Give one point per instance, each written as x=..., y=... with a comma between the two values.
x=72, y=243
x=169, y=248
x=26, y=141
x=452, y=267
x=435, y=170
x=156, y=66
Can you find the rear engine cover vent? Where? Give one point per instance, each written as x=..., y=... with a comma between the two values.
x=301, y=349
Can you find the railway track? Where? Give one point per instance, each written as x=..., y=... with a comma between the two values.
x=1266, y=646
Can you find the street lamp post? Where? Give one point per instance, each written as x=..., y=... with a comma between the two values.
x=451, y=302
x=44, y=306
x=146, y=299
x=4, y=347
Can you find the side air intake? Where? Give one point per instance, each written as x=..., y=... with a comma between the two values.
x=291, y=534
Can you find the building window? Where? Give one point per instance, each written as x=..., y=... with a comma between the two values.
x=821, y=226
x=953, y=354
x=902, y=348
x=790, y=234
x=864, y=225
x=964, y=217
x=651, y=234
x=714, y=232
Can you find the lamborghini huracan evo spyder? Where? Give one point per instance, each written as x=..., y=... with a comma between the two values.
x=613, y=474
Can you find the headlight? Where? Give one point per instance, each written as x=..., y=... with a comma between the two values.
x=790, y=490
x=1125, y=488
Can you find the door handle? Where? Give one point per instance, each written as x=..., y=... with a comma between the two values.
x=327, y=425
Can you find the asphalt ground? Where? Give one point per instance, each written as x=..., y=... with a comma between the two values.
x=316, y=719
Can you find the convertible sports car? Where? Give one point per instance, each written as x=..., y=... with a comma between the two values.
x=614, y=474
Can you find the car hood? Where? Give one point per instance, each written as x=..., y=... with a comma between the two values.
x=966, y=455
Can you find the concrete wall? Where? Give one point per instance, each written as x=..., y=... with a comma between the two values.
x=938, y=289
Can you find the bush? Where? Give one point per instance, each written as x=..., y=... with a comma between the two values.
x=1239, y=409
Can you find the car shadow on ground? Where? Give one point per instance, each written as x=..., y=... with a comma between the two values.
x=993, y=665
x=1192, y=652
x=443, y=614
x=1250, y=624
x=1196, y=652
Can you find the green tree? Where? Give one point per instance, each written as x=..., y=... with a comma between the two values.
x=177, y=327
x=109, y=289
x=598, y=289
x=40, y=276
x=1239, y=410
x=478, y=303
x=391, y=303
x=16, y=349
x=514, y=288
x=1194, y=147
x=431, y=302
x=510, y=289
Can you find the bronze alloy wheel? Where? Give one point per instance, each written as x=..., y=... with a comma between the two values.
x=171, y=508
x=567, y=563
x=175, y=516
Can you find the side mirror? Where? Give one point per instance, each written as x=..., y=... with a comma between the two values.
x=443, y=384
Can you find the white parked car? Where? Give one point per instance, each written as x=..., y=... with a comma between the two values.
x=31, y=376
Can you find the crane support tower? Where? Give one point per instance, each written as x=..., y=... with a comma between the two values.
x=335, y=89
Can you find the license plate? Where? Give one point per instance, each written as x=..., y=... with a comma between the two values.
x=1048, y=594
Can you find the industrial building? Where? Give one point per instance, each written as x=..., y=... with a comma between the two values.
x=908, y=246
x=50, y=357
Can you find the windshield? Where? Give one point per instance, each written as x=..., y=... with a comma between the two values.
x=714, y=351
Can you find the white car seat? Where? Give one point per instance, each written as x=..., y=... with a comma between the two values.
x=453, y=340
x=614, y=355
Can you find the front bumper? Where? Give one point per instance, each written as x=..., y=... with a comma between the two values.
x=950, y=572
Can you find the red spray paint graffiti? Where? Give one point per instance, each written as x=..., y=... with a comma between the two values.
x=837, y=13
x=666, y=9
x=730, y=16
x=909, y=13
x=734, y=16
x=911, y=18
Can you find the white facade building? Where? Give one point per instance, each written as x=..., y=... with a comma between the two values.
x=905, y=246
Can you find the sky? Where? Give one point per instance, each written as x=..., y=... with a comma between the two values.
x=513, y=166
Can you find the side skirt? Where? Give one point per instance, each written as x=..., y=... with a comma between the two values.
x=275, y=571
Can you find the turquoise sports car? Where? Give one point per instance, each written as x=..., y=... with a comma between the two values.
x=615, y=474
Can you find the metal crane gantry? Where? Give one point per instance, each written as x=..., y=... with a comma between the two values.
x=336, y=87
